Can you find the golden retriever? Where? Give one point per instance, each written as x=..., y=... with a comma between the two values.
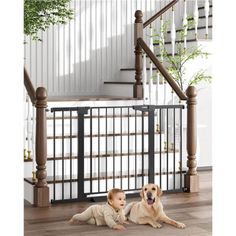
x=150, y=209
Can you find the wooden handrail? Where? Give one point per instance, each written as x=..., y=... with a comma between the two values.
x=163, y=10
x=29, y=86
x=162, y=69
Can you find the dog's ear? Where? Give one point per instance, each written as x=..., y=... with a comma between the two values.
x=141, y=193
x=159, y=191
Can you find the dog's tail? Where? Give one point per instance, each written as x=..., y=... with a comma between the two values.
x=128, y=208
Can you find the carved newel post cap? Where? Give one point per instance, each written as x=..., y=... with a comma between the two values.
x=138, y=15
x=41, y=97
x=191, y=91
x=41, y=93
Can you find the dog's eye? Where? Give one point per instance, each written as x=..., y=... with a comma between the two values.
x=153, y=189
x=145, y=189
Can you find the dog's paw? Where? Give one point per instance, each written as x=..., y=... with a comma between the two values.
x=180, y=225
x=156, y=225
x=71, y=222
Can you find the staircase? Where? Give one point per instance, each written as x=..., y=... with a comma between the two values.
x=97, y=144
x=123, y=86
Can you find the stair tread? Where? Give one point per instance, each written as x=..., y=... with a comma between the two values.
x=104, y=155
x=200, y=8
x=100, y=135
x=201, y=17
x=190, y=29
x=103, y=176
x=101, y=116
x=90, y=98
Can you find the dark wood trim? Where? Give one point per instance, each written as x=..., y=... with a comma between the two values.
x=200, y=17
x=202, y=8
x=67, y=156
x=178, y=41
x=163, y=10
x=190, y=29
x=102, y=176
x=138, y=33
x=96, y=135
x=118, y=82
x=132, y=69
x=29, y=86
x=162, y=70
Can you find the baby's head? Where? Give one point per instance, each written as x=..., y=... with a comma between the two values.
x=116, y=198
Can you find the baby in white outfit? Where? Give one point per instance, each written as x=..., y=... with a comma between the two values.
x=111, y=214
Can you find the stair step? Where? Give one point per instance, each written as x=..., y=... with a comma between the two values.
x=202, y=8
x=118, y=82
x=101, y=116
x=190, y=29
x=100, y=135
x=90, y=98
x=178, y=41
x=74, y=178
x=200, y=17
x=131, y=153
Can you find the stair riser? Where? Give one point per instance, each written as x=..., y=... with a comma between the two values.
x=201, y=12
x=190, y=46
x=125, y=160
x=102, y=147
x=191, y=35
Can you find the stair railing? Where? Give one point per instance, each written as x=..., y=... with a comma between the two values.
x=191, y=178
x=39, y=100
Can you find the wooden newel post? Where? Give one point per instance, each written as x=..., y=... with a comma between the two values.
x=138, y=33
x=41, y=190
x=191, y=177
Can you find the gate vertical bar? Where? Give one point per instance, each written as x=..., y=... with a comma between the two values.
x=81, y=112
x=151, y=137
x=63, y=158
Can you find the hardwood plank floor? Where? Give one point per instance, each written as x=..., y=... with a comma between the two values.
x=195, y=210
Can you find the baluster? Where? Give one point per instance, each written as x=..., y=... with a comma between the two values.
x=157, y=87
x=207, y=8
x=195, y=17
x=33, y=144
x=25, y=123
x=162, y=38
x=138, y=33
x=151, y=68
x=28, y=127
x=145, y=94
x=157, y=101
x=173, y=38
x=173, y=32
x=185, y=24
x=162, y=44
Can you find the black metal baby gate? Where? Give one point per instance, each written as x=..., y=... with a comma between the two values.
x=99, y=148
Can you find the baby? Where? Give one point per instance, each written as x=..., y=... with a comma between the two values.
x=111, y=214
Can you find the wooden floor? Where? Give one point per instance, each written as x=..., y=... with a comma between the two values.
x=195, y=210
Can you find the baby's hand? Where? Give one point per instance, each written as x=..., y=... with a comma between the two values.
x=119, y=227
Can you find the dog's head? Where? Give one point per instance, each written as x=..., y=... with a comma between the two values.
x=150, y=193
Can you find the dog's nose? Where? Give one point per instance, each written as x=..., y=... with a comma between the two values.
x=149, y=194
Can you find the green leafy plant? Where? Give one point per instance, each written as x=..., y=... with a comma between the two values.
x=176, y=64
x=40, y=14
